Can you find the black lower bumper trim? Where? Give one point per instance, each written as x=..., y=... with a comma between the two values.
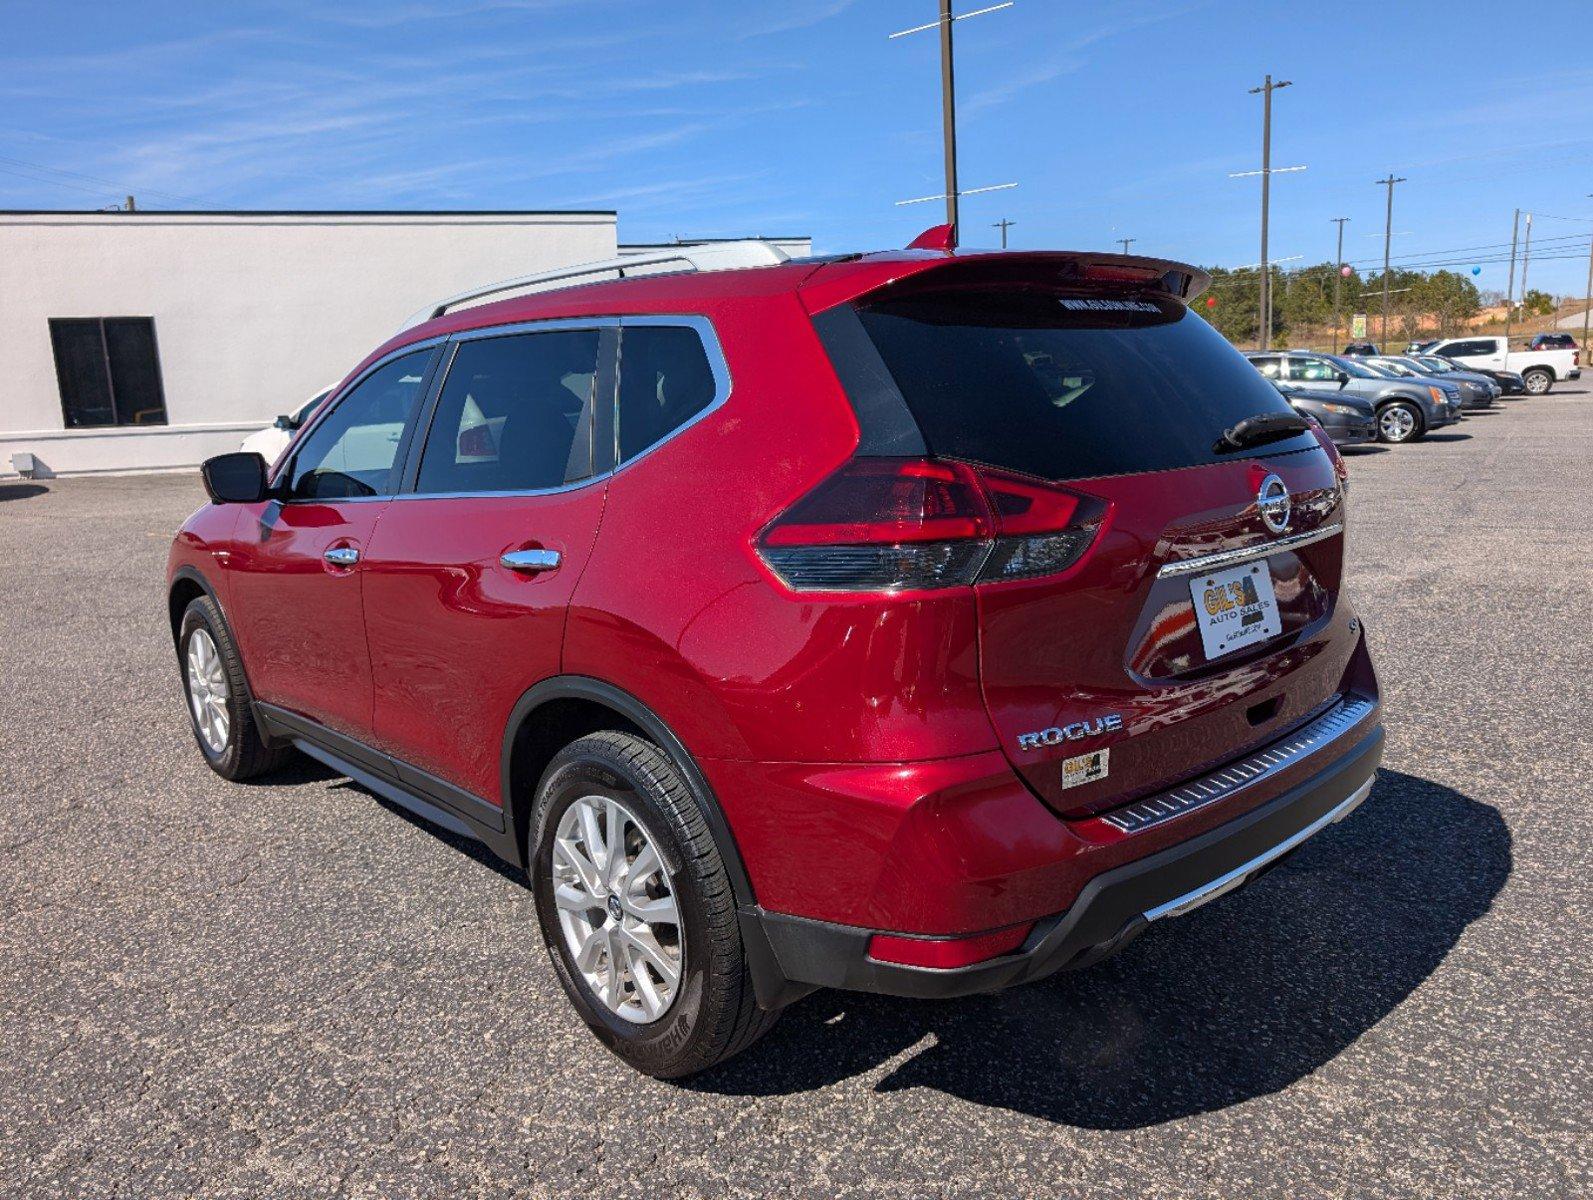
x=1111, y=909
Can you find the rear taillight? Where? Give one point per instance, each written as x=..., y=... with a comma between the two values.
x=910, y=524
x=1041, y=529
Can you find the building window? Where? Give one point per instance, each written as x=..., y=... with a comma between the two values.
x=108, y=371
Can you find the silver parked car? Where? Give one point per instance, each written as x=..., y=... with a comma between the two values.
x=1476, y=391
x=1407, y=409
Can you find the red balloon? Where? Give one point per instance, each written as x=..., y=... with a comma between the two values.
x=1211, y=302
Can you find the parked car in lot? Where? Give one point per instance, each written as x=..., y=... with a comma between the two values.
x=1420, y=347
x=1552, y=341
x=1347, y=420
x=1540, y=369
x=1451, y=391
x=1360, y=349
x=1407, y=410
x=1476, y=391
x=271, y=441
x=919, y=622
x=1509, y=383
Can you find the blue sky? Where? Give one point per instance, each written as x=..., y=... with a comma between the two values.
x=710, y=119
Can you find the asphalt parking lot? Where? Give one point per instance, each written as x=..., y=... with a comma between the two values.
x=297, y=990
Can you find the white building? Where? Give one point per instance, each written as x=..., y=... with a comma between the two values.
x=139, y=340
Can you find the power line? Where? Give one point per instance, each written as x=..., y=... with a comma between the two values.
x=110, y=183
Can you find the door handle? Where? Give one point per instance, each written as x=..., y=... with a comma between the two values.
x=342, y=556
x=530, y=561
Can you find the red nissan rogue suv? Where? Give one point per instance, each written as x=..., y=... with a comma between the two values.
x=920, y=622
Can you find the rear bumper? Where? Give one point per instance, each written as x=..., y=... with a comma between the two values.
x=793, y=955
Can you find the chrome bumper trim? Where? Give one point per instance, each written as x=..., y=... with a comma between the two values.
x=1235, y=777
x=1208, y=892
x=1231, y=558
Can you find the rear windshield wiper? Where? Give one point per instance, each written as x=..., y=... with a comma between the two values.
x=1263, y=427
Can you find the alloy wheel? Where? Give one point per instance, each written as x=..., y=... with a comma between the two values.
x=207, y=691
x=617, y=909
x=1396, y=423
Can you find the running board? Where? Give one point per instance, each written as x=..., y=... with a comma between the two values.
x=387, y=791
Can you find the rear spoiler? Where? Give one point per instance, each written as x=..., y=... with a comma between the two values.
x=854, y=279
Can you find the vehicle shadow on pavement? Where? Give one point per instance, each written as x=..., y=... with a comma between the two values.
x=1447, y=437
x=1232, y=1002
x=466, y=846
x=20, y=491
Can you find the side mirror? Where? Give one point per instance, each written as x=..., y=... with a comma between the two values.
x=285, y=423
x=1341, y=377
x=238, y=478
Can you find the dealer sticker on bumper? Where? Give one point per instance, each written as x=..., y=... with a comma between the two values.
x=1235, y=608
x=1085, y=768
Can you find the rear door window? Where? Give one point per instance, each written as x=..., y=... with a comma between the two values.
x=665, y=381
x=515, y=415
x=1068, y=387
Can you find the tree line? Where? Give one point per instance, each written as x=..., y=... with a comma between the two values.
x=1433, y=302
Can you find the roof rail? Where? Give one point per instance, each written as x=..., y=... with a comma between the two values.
x=720, y=256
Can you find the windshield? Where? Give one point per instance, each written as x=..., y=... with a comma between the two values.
x=1394, y=367
x=1437, y=365
x=1068, y=386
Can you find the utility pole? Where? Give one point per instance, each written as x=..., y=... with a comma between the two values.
x=132, y=204
x=1266, y=90
x=1003, y=225
x=1388, y=233
x=948, y=115
x=1526, y=261
x=1338, y=277
x=1126, y=243
x=948, y=104
x=1587, y=300
x=1510, y=287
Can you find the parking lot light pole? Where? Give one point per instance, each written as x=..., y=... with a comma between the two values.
x=1126, y=243
x=1338, y=276
x=1388, y=233
x=1003, y=225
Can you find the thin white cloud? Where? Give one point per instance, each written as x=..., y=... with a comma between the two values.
x=384, y=16
x=800, y=16
x=1070, y=57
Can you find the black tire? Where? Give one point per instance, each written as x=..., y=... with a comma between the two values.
x=713, y=1014
x=1395, y=432
x=1538, y=381
x=245, y=754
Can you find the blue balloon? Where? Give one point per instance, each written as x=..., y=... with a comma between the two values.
x=1476, y=270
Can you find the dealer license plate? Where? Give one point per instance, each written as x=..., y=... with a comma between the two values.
x=1235, y=608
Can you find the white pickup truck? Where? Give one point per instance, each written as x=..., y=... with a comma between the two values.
x=1539, y=369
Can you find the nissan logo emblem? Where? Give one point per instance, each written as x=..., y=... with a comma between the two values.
x=1272, y=498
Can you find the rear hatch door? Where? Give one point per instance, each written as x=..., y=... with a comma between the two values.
x=1199, y=623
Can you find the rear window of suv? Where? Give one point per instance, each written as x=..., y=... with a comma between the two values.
x=1068, y=387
